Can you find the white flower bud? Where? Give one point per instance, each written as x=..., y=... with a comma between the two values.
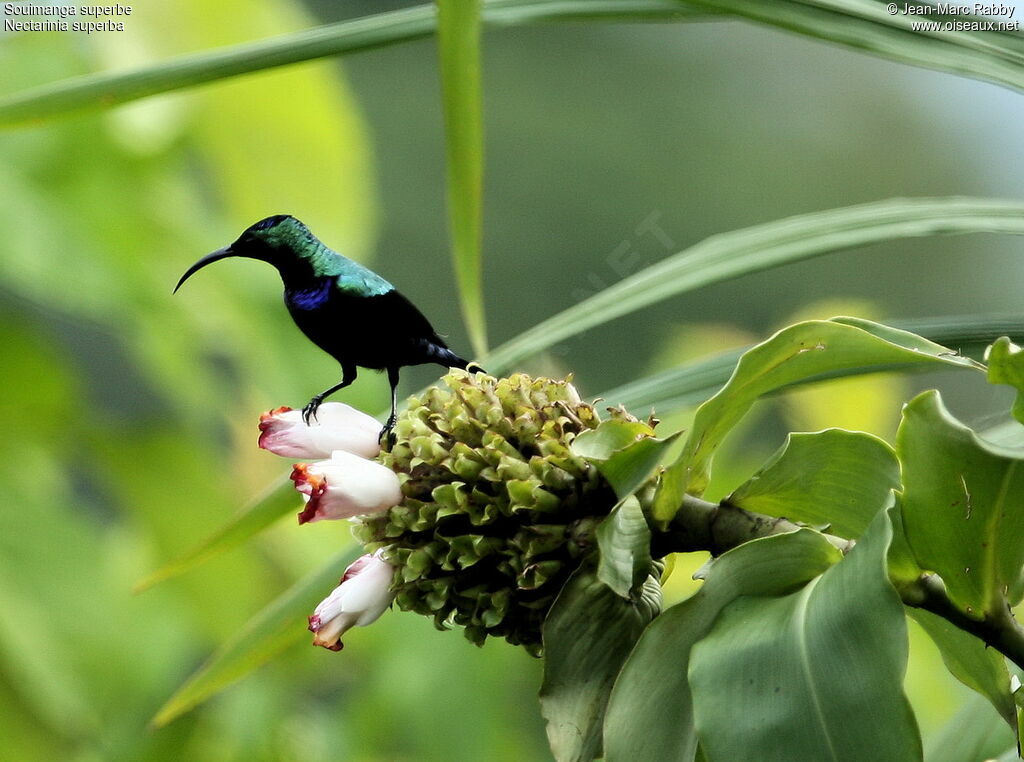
x=359, y=600
x=345, y=485
x=337, y=426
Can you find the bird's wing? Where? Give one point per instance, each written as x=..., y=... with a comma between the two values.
x=414, y=323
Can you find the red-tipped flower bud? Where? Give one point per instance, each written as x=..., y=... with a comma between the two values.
x=362, y=596
x=345, y=485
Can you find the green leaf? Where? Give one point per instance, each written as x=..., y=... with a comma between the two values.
x=863, y=25
x=260, y=639
x=279, y=498
x=1006, y=366
x=693, y=382
x=903, y=567
x=867, y=25
x=650, y=713
x=335, y=192
x=587, y=635
x=458, y=39
x=963, y=506
x=610, y=437
x=816, y=674
x=111, y=89
x=627, y=455
x=853, y=476
x=624, y=542
x=970, y=661
x=625, y=452
x=757, y=248
x=975, y=732
x=803, y=351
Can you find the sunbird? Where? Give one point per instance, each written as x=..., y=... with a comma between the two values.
x=347, y=310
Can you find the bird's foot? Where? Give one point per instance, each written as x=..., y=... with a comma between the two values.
x=387, y=434
x=309, y=411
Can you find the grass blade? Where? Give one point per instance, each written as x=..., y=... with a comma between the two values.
x=458, y=39
x=279, y=498
x=258, y=640
x=867, y=25
x=862, y=24
x=107, y=89
x=729, y=255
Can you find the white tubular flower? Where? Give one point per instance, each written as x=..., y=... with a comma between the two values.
x=337, y=426
x=362, y=596
x=345, y=486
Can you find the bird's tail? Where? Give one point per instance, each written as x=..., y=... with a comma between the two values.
x=444, y=356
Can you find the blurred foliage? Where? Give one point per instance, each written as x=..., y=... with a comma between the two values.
x=131, y=415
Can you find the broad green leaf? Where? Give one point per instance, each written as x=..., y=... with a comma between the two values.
x=963, y=506
x=970, y=661
x=693, y=382
x=816, y=674
x=761, y=247
x=807, y=350
x=587, y=635
x=610, y=437
x=1006, y=366
x=833, y=478
x=650, y=713
x=975, y=732
x=625, y=452
x=903, y=567
x=279, y=498
x=257, y=641
x=458, y=41
x=628, y=470
x=624, y=544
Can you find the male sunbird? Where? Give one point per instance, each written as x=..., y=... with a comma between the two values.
x=347, y=310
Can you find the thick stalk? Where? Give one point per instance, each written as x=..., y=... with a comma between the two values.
x=717, y=527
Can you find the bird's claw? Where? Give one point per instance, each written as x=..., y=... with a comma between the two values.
x=387, y=434
x=309, y=411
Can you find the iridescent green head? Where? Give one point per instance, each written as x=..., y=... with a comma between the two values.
x=280, y=240
x=279, y=235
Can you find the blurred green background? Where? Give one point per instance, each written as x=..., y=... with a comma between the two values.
x=130, y=415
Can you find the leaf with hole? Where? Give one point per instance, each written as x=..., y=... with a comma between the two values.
x=1006, y=366
x=963, y=507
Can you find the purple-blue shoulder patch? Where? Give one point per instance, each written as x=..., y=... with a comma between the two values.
x=310, y=298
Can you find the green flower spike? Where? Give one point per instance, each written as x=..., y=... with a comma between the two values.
x=497, y=511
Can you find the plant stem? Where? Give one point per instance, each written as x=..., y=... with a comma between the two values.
x=718, y=527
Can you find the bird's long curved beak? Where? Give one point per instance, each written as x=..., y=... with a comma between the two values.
x=213, y=256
